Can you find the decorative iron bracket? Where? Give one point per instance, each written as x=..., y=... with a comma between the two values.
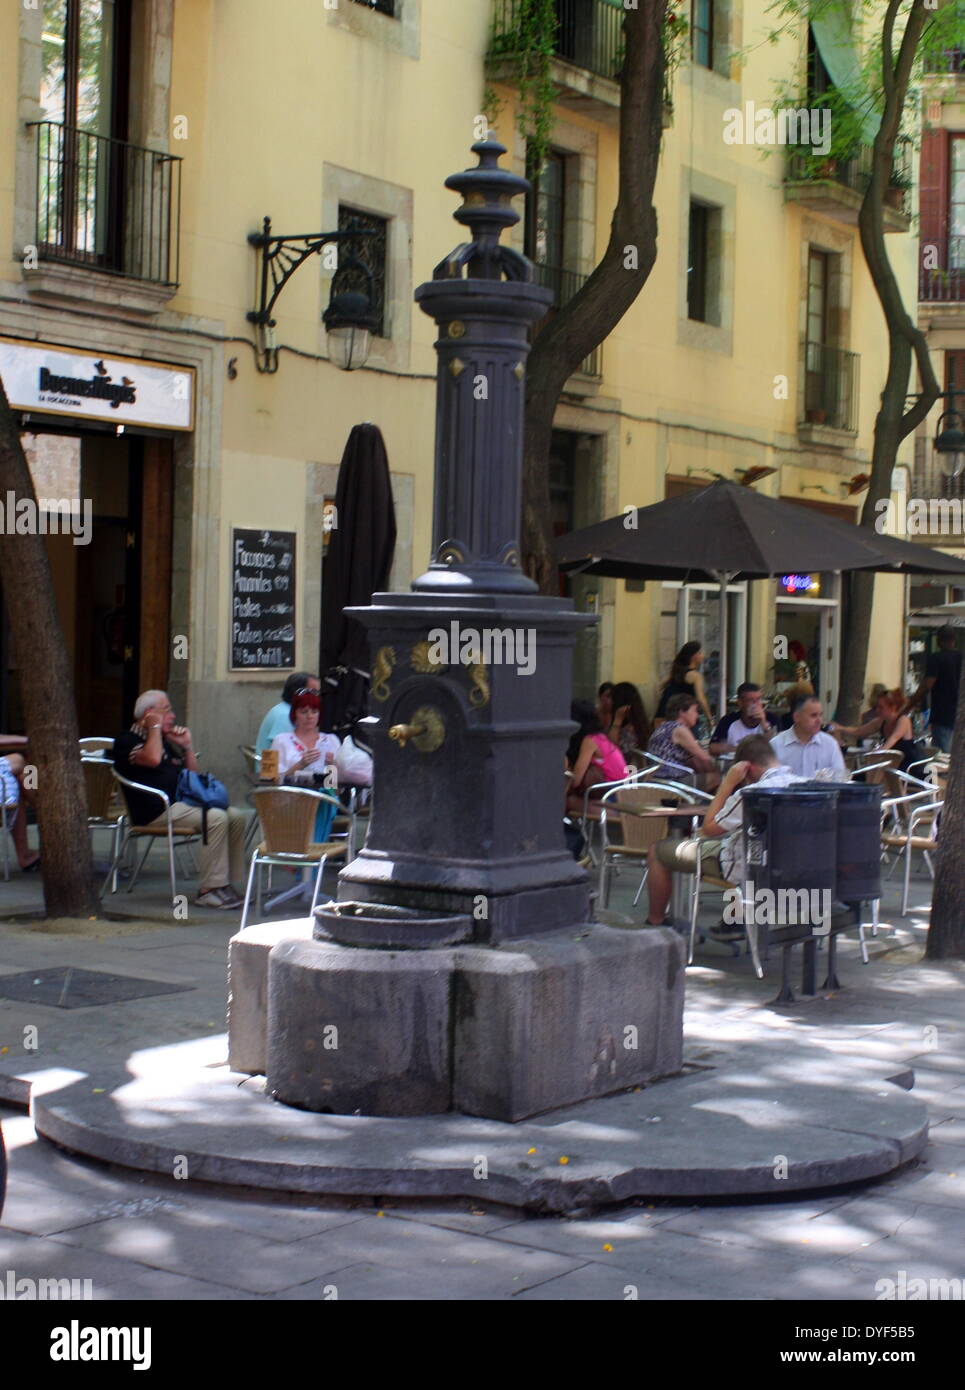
x=281, y=256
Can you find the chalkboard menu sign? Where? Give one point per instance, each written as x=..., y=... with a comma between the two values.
x=262, y=600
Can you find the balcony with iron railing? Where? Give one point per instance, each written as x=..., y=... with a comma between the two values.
x=108, y=206
x=949, y=61
x=836, y=186
x=930, y=484
x=587, y=60
x=941, y=278
x=830, y=389
x=564, y=284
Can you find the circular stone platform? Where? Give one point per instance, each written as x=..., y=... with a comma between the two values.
x=804, y=1121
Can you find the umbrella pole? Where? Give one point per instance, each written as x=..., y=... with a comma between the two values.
x=723, y=578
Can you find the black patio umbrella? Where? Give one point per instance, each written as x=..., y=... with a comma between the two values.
x=726, y=532
x=356, y=565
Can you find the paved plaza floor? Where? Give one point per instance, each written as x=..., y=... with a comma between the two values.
x=149, y=1237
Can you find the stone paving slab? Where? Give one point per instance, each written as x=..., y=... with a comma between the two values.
x=708, y=1134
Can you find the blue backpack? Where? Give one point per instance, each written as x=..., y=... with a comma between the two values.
x=201, y=789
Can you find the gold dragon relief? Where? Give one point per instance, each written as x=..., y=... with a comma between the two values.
x=382, y=669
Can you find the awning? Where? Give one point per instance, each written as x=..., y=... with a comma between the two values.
x=831, y=27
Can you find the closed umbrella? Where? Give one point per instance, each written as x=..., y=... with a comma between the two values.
x=726, y=532
x=356, y=566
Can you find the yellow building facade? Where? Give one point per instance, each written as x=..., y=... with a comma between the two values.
x=143, y=141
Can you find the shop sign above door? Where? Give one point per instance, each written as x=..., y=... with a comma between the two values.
x=45, y=379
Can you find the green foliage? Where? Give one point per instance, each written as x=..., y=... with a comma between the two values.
x=675, y=36
x=530, y=43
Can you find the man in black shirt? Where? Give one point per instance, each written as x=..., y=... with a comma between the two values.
x=154, y=753
x=943, y=671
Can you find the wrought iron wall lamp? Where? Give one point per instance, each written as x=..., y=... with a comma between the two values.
x=349, y=320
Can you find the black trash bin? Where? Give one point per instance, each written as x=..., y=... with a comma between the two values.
x=858, y=877
x=790, y=845
x=790, y=837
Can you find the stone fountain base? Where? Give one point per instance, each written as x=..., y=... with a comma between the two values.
x=501, y=1032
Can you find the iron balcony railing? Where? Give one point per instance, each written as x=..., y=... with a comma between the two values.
x=928, y=479
x=106, y=204
x=588, y=33
x=830, y=387
x=564, y=284
x=944, y=283
x=804, y=166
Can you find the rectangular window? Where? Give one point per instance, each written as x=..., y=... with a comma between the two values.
x=383, y=6
x=702, y=18
x=545, y=216
x=101, y=201
x=956, y=203
x=955, y=371
x=703, y=264
x=371, y=252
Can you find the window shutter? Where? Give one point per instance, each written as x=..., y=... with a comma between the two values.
x=933, y=184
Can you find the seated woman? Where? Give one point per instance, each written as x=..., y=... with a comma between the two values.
x=305, y=752
x=895, y=729
x=629, y=727
x=11, y=774
x=674, y=742
x=591, y=757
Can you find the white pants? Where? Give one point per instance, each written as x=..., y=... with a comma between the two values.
x=223, y=857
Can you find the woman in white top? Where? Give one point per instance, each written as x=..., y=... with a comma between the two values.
x=304, y=753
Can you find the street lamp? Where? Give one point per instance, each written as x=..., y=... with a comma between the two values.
x=949, y=441
x=349, y=319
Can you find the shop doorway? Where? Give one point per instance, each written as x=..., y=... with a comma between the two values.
x=111, y=571
x=806, y=634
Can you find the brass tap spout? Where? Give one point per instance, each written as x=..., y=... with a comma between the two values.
x=401, y=733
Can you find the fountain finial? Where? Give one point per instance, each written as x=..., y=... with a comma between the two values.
x=486, y=209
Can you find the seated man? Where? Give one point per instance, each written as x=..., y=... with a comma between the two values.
x=153, y=753
x=278, y=719
x=11, y=793
x=803, y=747
x=750, y=717
x=754, y=764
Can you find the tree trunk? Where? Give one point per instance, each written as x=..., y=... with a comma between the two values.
x=946, y=927
x=47, y=691
x=596, y=309
x=892, y=423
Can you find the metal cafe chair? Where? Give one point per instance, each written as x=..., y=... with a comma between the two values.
x=252, y=770
x=625, y=805
x=5, y=807
x=917, y=832
x=591, y=812
x=150, y=833
x=98, y=746
x=681, y=773
x=287, y=819
x=102, y=811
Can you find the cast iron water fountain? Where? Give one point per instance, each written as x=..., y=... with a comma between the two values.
x=458, y=966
